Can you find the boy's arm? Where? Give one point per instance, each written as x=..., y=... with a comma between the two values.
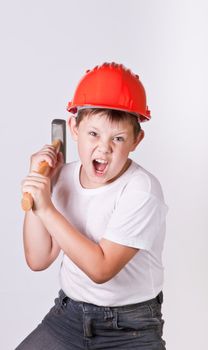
x=40, y=247
x=100, y=261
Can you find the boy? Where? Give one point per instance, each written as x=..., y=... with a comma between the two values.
x=107, y=215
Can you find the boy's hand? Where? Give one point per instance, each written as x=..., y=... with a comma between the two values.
x=40, y=188
x=38, y=185
x=48, y=153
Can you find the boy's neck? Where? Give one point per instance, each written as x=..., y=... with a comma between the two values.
x=126, y=166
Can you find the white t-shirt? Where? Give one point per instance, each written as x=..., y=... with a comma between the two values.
x=129, y=211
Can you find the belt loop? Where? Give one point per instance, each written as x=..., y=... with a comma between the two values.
x=63, y=297
x=108, y=314
x=160, y=298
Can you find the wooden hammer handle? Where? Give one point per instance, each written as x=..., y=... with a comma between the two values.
x=44, y=169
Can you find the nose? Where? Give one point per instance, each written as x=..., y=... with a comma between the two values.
x=104, y=147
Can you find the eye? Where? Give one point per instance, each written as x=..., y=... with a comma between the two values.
x=119, y=139
x=93, y=133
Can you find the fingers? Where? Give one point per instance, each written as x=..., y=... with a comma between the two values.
x=34, y=176
x=59, y=163
x=48, y=153
x=30, y=189
x=34, y=180
x=52, y=149
x=39, y=187
x=60, y=158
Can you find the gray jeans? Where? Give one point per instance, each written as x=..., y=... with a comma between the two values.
x=72, y=325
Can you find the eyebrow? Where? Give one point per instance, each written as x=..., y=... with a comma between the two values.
x=117, y=133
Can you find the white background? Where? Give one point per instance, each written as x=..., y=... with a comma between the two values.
x=46, y=46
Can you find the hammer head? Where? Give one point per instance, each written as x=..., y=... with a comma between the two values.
x=58, y=132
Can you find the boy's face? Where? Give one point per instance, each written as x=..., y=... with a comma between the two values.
x=103, y=148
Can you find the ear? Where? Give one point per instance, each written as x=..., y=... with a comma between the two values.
x=73, y=127
x=138, y=139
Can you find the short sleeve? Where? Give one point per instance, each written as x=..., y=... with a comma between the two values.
x=137, y=219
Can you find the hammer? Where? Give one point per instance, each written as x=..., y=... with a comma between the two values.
x=58, y=139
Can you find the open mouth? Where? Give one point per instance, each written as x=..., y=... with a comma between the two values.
x=100, y=166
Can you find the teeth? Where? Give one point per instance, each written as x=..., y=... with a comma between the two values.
x=101, y=161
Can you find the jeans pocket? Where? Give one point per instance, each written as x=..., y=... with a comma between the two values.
x=135, y=319
x=140, y=321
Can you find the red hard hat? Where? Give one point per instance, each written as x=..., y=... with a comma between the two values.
x=111, y=86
